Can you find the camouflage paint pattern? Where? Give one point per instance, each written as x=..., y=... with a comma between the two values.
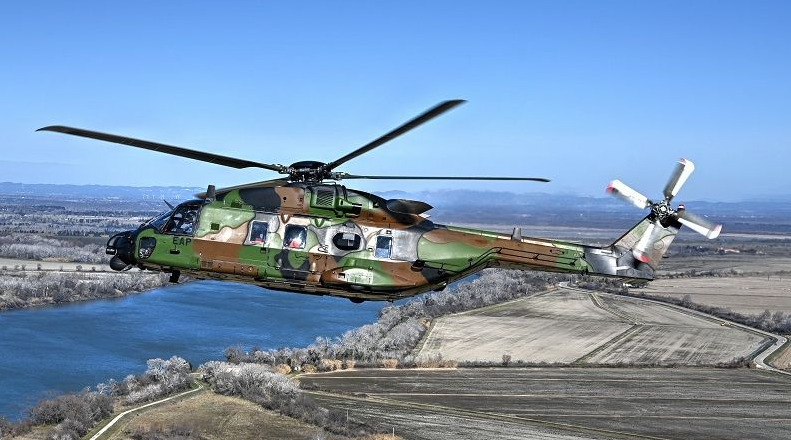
x=423, y=255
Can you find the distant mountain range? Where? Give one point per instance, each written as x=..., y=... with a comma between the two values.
x=441, y=199
x=99, y=191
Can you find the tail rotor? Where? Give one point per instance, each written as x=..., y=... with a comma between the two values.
x=662, y=215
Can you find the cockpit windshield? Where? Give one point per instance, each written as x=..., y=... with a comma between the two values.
x=184, y=220
x=159, y=221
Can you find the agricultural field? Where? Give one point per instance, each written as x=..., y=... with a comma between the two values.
x=570, y=326
x=213, y=416
x=747, y=295
x=564, y=403
x=739, y=263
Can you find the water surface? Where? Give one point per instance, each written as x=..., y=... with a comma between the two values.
x=50, y=350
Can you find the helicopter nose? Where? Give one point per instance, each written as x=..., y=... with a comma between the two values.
x=121, y=246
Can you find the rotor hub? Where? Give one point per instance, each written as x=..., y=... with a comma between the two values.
x=307, y=171
x=661, y=210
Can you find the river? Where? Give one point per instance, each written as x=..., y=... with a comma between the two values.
x=50, y=350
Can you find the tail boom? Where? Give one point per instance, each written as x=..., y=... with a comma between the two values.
x=463, y=250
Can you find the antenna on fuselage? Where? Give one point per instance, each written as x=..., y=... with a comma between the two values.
x=211, y=193
x=168, y=203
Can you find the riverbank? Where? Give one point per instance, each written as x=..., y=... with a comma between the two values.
x=22, y=288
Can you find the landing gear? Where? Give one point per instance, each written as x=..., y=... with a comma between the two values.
x=174, y=277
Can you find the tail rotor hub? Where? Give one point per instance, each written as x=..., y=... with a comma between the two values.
x=661, y=210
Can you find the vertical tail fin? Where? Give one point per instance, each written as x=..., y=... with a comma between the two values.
x=641, y=248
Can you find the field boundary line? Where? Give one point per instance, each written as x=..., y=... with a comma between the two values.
x=422, y=343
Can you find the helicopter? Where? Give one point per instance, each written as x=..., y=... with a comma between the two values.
x=305, y=232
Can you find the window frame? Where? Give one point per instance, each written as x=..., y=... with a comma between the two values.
x=286, y=239
x=252, y=228
x=389, y=238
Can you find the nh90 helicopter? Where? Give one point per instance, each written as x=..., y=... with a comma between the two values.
x=307, y=233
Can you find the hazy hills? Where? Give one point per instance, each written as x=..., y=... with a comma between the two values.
x=763, y=214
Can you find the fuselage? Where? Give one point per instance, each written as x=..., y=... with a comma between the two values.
x=330, y=240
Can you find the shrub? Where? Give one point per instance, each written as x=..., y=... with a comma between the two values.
x=506, y=359
x=156, y=432
x=330, y=365
x=282, y=369
x=390, y=363
x=76, y=413
x=11, y=429
x=429, y=361
x=348, y=364
x=448, y=363
x=308, y=368
x=234, y=354
x=162, y=377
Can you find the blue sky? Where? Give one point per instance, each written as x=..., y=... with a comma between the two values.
x=580, y=92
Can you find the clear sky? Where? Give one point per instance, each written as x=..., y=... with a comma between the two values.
x=579, y=92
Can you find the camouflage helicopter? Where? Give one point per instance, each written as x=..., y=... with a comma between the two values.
x=307, y=233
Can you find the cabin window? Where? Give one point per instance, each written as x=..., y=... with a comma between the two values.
x=258, y=231
x=295, y=237
x=346, y=241
x=384, y=246
x=183, y=220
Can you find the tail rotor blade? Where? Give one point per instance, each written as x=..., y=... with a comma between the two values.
x=623, y=192
x=699, y=224
x=681, y=173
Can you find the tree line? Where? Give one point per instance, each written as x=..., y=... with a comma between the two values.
x=38, y=247
x=28, y=289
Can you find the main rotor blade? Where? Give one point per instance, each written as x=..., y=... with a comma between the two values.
x=162, y=148
x=699, y=224
x=413, y=123
x=681, y=173
x=355, y=176
x=261, y=184
x=626, y=193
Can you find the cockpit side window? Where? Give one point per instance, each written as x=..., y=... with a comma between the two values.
x=183, y=221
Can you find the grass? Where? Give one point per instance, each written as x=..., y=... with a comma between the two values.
x=216, y=416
